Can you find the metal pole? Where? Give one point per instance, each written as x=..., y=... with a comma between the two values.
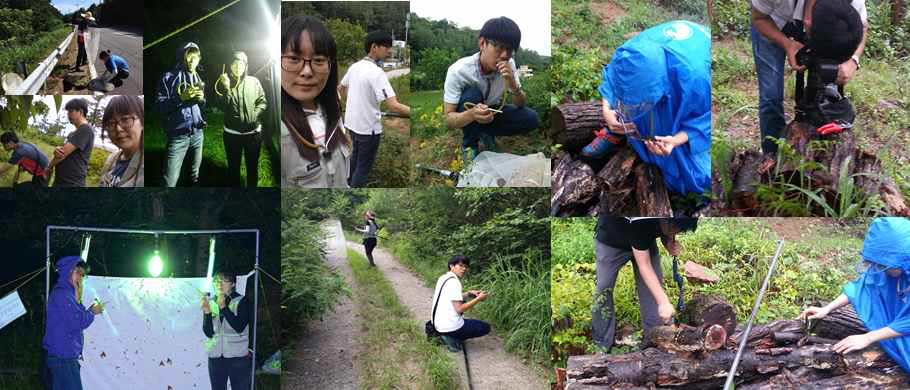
x=47, y=263
x=136, y=231
x=745, y=336
x=255, y=311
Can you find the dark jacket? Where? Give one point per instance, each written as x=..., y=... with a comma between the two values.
x=66, y=318
x=179, y=117
x=242, y=104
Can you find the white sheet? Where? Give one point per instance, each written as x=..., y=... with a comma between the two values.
x=149, y=337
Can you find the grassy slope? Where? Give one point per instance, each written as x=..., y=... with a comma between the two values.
x=32, y=50
x=397, y=354
x=97, y=161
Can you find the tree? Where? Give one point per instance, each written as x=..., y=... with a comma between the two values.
x=898, y=12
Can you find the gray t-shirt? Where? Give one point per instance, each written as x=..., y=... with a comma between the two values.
x=72, y=170
x=466, y=73
x=784, y=11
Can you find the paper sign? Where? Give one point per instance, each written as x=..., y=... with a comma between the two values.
x=11, y=307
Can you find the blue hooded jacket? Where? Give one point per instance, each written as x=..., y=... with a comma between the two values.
x=66, y=318
x=882, y=300
x=115, y=63
x=665, y=72
x=179, y=117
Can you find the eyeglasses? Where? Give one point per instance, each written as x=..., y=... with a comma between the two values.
x=126, y=122
x=296, y=64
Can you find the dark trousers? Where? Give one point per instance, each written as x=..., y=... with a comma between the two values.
x=64, y=373
x=368, y=245
x=237, y=369
x=236, y=147
x=119, y=77
x=470, y=330
x=513, y=120
x=609, y=261
x=81, y=58
x=362, y=158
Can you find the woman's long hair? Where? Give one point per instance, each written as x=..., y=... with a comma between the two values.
x=292, y=113
x=125, y=105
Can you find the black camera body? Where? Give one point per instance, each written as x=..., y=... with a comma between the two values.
x=819, y=100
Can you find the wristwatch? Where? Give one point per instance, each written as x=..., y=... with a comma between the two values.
x=856, y=60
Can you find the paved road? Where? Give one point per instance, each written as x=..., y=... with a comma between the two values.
x=398, y=72
x=128, y=45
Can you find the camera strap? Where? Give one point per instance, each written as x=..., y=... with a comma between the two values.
x=435, y=305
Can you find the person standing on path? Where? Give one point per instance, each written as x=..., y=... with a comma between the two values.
x=448, y=318
x=369, y=235
x=364, y=87
x=618, y=240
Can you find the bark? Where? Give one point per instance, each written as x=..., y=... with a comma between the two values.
x=686, y=338
x=616, y=197
x=575, y=187
x=840, y=323
x=745, y=179
x=651, y=193
x=705, y=310
x=574, y=124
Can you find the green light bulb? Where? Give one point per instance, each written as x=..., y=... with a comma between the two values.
x=155, y=265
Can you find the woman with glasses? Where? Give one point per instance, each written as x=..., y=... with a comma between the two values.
x=315, y=151
x=123, y=121
x=880, y=294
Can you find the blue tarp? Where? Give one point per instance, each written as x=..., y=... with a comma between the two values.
x=663, y=78
x=881, y=299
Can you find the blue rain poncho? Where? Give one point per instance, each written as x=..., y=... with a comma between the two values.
x=661, y=81
x=879, y=299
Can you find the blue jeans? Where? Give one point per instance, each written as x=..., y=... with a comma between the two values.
x=769, y=65
x=177, y=147
x=64, y=373
x=513, y=120
x=362, y=158
x=470, y=330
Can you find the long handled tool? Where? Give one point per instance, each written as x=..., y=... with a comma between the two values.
x=680, y=300
x=443, y=172
x=745, y=336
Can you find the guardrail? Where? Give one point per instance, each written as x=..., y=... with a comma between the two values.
x=36, y=79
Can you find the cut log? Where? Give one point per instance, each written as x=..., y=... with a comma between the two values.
x=654, y=366
x=705, y=310
x=839, y=323
x=820, y=380
x=575, y=187
x=685, y=338
x=573, y=124
x=618, y=182
x=651, y=193
x=762, y=336
x=745, y=180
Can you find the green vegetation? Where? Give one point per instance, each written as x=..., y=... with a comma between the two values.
x=878, y=92
x=393, y=165
x=812, y=269
x=309, y=287
x=393, y=338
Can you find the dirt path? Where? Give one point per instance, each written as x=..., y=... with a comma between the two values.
x=491, y=367
x=325, y=358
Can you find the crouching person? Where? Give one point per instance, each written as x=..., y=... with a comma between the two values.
x=450, y=303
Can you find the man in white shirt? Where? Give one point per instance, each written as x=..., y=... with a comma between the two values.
x=836, y=29
x=364, y=87
x=480, y=82
x=449, y=314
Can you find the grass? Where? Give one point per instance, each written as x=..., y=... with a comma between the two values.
x=397, y=354
x=393, y=168
x=812, y=269
x=30, y=50
x=47, y=144
x=213, y=170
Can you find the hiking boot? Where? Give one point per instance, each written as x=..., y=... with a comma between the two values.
x=489, y=141
x=452, y=343
x=603, y=143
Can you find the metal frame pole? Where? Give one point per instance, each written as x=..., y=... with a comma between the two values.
x=255, y=312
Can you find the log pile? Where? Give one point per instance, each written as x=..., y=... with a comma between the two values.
x=825, y=159
x=778, y=355
x=620, y=183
